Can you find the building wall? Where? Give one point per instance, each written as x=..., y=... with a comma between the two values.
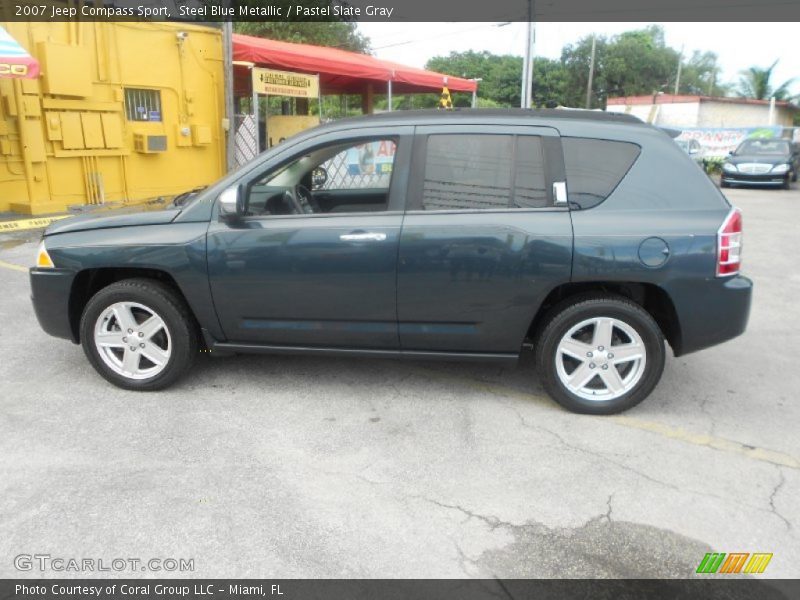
x=706, y=114
x=67, y=138
x=725, y=114
x=680, y=114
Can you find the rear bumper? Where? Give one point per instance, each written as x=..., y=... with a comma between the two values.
x=50, y=292
x=712, y=312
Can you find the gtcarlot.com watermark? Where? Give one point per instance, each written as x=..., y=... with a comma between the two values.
x=59, y=564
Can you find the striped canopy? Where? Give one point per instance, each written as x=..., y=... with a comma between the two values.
x=14, y=59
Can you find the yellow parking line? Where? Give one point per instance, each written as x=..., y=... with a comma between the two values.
x=13, y=267
x=23, y=224
x=666, y=431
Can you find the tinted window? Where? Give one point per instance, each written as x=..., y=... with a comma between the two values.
x=478, y=172
x=529, y=186
x=763, y=147
x=595, y=167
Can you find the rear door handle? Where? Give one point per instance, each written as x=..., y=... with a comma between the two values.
x=366, y=236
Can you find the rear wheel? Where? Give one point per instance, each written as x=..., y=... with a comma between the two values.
x=600, y=355
x=139, y=334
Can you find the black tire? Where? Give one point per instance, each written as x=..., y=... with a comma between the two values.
x=169, y=306
x=787, y=182
x=572, y=312
x=724, y=184
x=794, y=175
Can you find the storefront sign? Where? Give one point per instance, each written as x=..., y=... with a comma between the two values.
x=285, y=83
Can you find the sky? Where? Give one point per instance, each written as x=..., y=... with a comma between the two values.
x=738, y=45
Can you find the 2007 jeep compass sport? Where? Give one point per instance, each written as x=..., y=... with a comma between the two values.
x=449, y=235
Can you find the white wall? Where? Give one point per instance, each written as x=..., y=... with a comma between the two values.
x=706, y=114
x=724, y=114
x=683, y=114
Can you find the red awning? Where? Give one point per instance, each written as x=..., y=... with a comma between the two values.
x=340, y=72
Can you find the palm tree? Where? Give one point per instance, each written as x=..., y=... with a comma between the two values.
x=755, y=83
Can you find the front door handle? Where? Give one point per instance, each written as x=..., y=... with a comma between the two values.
x=365, y=236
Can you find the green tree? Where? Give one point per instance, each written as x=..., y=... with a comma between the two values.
x=632, y=63
x=756, y=82
x=700, y=75
x=501, y=77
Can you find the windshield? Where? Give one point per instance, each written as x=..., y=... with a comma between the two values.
x=763, y=148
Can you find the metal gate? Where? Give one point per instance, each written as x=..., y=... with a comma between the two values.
x=245, y=139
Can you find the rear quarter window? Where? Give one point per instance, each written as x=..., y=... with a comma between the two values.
x=595, y=167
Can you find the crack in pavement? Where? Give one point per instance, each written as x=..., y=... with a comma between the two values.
x=624, y=467
x=774, y=493
x=667, y=431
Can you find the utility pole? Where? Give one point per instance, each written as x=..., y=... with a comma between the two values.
x=591, y=74
x=678, y=78
x=527, y=64
x=230, y=118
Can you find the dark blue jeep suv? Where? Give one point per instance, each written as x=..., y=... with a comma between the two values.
x=464, y=235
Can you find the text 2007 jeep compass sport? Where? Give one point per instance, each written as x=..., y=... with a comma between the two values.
x=443, y=235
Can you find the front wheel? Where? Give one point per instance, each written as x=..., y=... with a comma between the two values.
x=600, y=355
x=139, y=334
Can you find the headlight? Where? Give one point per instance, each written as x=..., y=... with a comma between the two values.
x=729, y=167
x=781, y=168
x=43, y=260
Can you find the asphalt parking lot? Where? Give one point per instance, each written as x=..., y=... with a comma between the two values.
x=266, y=466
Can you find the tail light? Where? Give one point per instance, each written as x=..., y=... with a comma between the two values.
x=729, y=244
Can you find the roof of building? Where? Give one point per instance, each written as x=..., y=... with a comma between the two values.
x=341, y=71
x=683, y=98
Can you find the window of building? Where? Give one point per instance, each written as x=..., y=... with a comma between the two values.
x=142, y=104
x=595, y=167
x=483, y=172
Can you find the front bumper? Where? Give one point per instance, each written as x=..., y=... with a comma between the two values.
x=50, y=293
x=766, y=179
x=711, y=312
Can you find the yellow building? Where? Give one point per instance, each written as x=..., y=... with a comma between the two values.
x=120, y=112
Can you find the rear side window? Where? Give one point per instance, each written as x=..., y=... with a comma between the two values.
x=483, y=172
x=595, y=167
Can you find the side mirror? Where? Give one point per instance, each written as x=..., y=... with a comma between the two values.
x=231, y=202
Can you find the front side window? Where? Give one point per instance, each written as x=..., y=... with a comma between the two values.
x=349, y=177
x=142, y=104
x=364, y=166
x=483, y=172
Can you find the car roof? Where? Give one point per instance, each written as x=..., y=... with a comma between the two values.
x=488, y=115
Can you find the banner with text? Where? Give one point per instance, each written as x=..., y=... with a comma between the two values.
x=285, y=83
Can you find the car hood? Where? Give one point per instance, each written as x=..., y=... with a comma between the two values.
x=122, y=217
x=759, y=158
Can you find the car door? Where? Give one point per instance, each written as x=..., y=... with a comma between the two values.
x=324, y=279
x=483, y=239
